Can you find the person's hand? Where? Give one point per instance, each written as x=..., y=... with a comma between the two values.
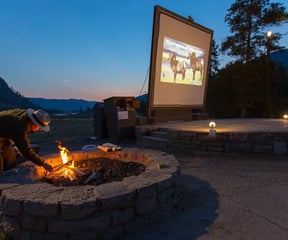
x=47, y=167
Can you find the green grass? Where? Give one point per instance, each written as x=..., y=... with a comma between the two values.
x=66, y=129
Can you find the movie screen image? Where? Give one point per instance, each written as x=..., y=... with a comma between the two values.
x=182, y=63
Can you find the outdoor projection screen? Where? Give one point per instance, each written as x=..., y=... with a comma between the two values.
x=179, y=62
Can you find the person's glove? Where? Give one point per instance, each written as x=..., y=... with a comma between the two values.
x=47, y=167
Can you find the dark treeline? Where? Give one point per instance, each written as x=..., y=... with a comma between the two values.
x=253, y=83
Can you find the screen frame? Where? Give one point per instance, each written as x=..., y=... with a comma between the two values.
x=155, y=62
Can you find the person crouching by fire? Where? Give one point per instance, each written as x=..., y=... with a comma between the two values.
x=15, y=127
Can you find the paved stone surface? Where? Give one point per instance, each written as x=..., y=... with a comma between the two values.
x=227, y=197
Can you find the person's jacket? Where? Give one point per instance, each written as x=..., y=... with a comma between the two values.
x=14, y=125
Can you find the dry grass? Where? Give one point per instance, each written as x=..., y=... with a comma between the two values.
x=66, y=129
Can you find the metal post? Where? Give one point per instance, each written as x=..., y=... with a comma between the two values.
x=269, y=74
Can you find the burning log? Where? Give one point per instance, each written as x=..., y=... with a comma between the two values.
x=72, y=177
x=66, y=172
x=63, y=165
x=75, y=170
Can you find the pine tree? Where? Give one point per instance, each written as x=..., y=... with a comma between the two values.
x=248, y=21
x=214, y=62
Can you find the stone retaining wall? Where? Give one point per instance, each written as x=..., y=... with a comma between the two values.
x=224, y=142
x=258, y=142
x=31, y=209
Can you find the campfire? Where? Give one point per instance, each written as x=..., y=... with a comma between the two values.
x=92, y=171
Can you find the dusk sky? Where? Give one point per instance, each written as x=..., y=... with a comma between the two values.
x=90, y=49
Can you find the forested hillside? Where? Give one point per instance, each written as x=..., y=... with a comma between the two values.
x=10, y=98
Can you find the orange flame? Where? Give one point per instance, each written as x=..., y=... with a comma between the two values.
x=68, y=170
x=64, y=153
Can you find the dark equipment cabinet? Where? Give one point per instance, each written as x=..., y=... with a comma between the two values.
x=121, y=116
x=100, y=125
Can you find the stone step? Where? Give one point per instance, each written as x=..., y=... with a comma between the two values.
x=154, y=142
x=159, y=134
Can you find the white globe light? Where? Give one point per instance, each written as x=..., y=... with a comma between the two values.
x=212, y=125
x=269, y=34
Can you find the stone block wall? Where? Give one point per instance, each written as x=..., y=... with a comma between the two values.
x=32, y=209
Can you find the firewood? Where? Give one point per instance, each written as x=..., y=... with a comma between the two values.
x=93, y=176
x=72, y=177
x=75, y=170
x=62, y=165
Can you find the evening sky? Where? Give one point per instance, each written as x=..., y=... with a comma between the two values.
x=90, y=49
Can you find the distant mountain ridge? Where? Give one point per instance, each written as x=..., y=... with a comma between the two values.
x=64, y=105
x=9, y=98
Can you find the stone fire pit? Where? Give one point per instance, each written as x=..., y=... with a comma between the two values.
x=34, y=209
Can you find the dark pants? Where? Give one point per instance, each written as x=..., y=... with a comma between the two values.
x=7, y=155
